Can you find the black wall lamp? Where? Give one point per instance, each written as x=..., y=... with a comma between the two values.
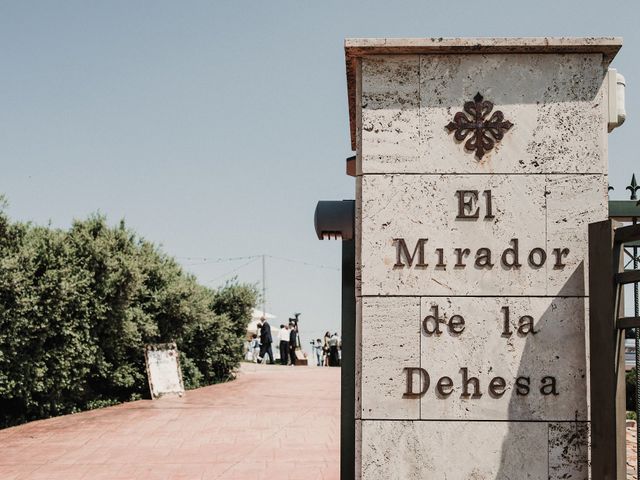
x=335, y=220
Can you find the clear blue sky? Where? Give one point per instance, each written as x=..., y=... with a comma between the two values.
x=214, y=127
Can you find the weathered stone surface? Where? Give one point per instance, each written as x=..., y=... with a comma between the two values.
x=569, y=450
x=391, y=341
x=488, y=350
x=358, y=361
x=535, y=209
x=454, y=450
x=392, y=336
x=556, y=103
x=573, y=202
x=458, y=45
x=360, y=48
x=473, y=450
x=391, y=100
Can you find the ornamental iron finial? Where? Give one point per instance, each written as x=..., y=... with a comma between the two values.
x=633, y=187
x=484, y=133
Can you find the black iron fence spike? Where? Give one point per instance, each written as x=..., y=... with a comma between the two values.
x=633, y=187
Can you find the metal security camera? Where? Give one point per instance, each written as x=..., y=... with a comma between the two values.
x=334, y=219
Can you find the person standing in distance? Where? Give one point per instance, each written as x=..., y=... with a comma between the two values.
x=334, y=341
x=255, y=348
x=293, y=342
x=319, y=351
x=283, y=336
x=265, y=341
x=325, y=348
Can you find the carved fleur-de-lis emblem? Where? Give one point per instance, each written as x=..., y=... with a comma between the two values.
x=484, y=133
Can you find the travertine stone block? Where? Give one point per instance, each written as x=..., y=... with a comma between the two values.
x=490, y=347
x=414, y=207
x=390, y=107
x=472, y=450
x=573, y=202
x=569, y=450
x=556, y=103
x=391, y=341
x=358, y=361
x=453, y=450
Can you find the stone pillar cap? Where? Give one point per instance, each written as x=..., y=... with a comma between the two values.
x=360, y=47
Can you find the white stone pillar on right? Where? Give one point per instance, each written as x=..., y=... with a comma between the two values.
x=480, y=164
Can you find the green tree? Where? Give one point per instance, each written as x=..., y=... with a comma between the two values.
x=77, y=308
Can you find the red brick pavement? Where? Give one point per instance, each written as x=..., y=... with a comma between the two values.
x=272, y=422
x=631, y=451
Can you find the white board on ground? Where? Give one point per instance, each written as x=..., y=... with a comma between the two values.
x=163, y=370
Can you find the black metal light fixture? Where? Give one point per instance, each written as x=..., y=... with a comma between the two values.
x=335, y=220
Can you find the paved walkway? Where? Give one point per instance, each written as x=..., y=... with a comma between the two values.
x=631, y=453
x=272, y=422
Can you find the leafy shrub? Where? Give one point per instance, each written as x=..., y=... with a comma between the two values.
x=77, y=308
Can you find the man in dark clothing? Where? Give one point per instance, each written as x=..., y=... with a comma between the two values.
x=334, y=357
x=293, y=342
x=265, y=342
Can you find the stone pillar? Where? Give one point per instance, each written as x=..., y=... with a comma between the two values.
x=480, y=163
